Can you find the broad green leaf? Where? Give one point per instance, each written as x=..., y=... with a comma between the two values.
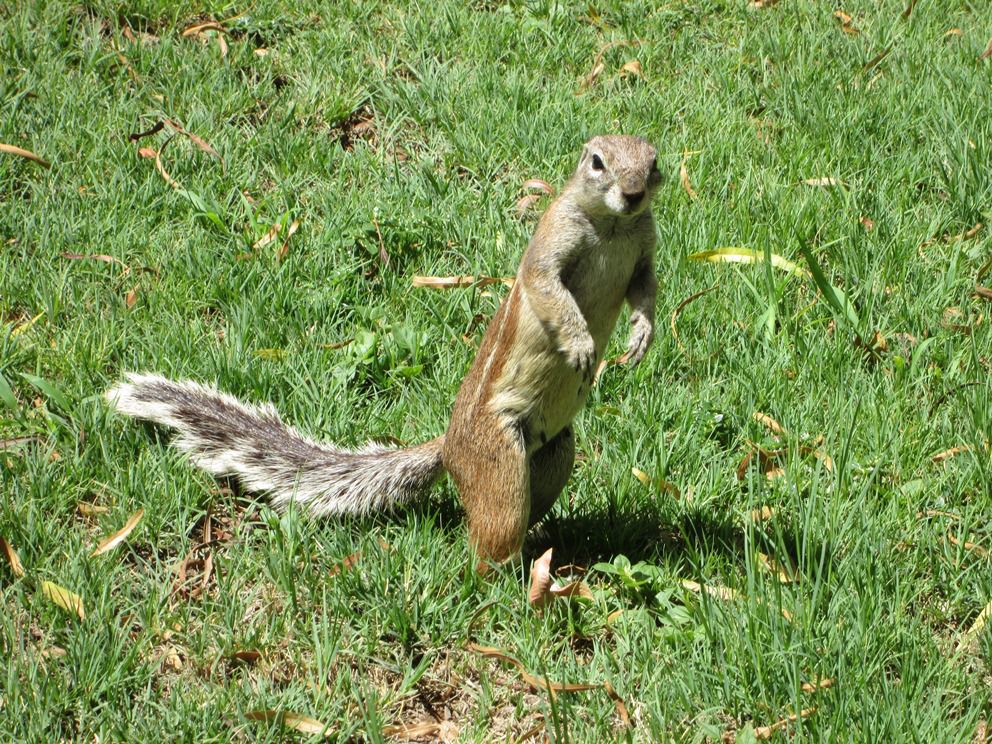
x=834, y=296
x=7, y=395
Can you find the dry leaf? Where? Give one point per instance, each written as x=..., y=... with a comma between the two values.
x=452, y=282
x=91, y=510
x=536, y=682
x=12, y=558
x=684, y=180
x=345, y=564
x=539, y=184
x=949, y=453
x=953, y=32
x=762, y=514
x=65, y=599
x=540, y=580
x=775, y=568
x=96, y=257
x=821, y=684
x=681, y=306
x=524, y=204
x=132, y=296
x=759, y=4
x=597, y=64
x=156, y=128
x=269, y=237
x=444, y=731
x=171, y=658
x=632, y=68
x=824, y=182
x=846, y=23
x=768, y=422
x=284, y=249
x=909, y=9
x=737, y=254
x=246, y=657
x=867, y=223
x=875, y=61
x=27, y=325
x=720, y=592
x=969, y=546
x=200, y=28
x=112, y=541
x=976, y=627
x=14, y=150
x=641, y=476
x=195, y=139
x=983, y=293
x=765, y=732
x=988, y=51
x=290, y=720
x=574, y=589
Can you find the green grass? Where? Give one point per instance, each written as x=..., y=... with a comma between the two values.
x=466, y=102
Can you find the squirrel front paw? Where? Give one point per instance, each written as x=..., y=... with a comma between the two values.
x=641, y=335
x=580, y=353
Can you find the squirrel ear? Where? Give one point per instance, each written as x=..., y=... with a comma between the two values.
x=585, y=154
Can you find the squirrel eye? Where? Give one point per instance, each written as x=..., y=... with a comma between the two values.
x=597, y=163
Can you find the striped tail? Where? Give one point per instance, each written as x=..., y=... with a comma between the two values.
x=226, y=437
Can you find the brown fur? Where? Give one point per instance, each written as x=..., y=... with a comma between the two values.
x=509, y=446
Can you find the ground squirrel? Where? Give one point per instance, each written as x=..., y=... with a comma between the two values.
x=509, y=444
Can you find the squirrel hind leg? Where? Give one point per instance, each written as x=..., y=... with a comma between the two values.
x=490, y=468
x=550, y=468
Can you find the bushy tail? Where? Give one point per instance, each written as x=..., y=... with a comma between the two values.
x=226, y=437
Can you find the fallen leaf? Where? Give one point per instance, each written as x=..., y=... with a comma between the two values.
x=452, y=282
x=540, y=580
x=681, y=306
x=759, y=4
x=156, y=128
x=539, y=184
x=821, y=684
x=987, y=53
x=269, y=237
x=246, y=657
x=444, y=731
x=983, y=293
x=909, y=9
x=768, y=422
x=171, y=658
x=684, y=180
x=846, y=23
x=222, y=45
x=736, y=254
x=876, y=60
x=969, y=546
x=765, y=732
x=619, y=703
x=346, y=563
x=976, y=627
x=96, y=257
x=16, y=567
x=573, y=589
x=949, y=453
x=597, y=64
x=289, y=719
x=112, y=541
x=536, y=682
x=194, y=138
x=632, y=68
x=27, y=325
x=641, y=476
x=65, y=599
x=199, y=28
x=762, y=514
x=775, y=568
x=132, y=296
x=91, y=510
x=284, y=248
x=525, y=203
x=824, y=182
x=953, y=32
x=867, y=223
x=14, y=150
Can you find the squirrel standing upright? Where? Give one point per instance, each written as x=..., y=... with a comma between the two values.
x=509, y=444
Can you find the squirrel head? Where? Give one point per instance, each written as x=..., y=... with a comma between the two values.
x=617, y=175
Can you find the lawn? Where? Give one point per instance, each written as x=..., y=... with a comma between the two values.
x=784, y=515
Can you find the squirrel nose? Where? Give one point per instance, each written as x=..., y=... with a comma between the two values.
x=634, y=199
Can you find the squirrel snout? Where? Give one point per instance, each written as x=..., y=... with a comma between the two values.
x=634, y=198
